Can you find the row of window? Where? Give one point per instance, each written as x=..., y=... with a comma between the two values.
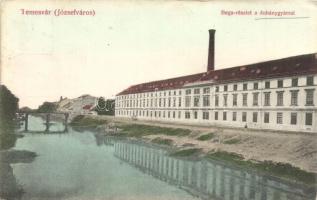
x=177, y=101
x=267, y=84
x=267, y=98
x=205, y=116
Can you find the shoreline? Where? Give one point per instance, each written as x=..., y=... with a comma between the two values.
x=294, y=153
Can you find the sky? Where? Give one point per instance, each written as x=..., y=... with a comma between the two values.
x=44, y=57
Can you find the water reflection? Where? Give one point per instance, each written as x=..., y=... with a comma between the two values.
x=9, y=186
x=72, y=166
x=206, y=179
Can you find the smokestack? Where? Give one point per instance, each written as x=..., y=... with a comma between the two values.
x=211, y=51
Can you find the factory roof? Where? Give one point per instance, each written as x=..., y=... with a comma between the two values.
x=285, y=67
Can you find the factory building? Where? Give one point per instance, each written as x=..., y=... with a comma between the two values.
x=277, y=95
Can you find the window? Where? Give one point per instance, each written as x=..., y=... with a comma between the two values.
x=187, y=101
x=216, y=115
x=205, y=115
x=293, y=118
x=234, y=116
x=294, y=97
x=206, y=90
x=217, y=88
x=235, y=87
x=173, y=114
x=196, y=101
x=310, y=80
x=225, y=98
x=187, y=115
x=206, y=101
x=279, y=98
x=169, y=102
x=244, y=116
x=279, y=118
x=168, y=114
x=179, y=101
x=294, y=82
x=255, y=117
x=267, y=98
x=188, y=92
x=195, y=115
x=266, y=117
x=216, y=100
x=245, y=99
x=267, y=85
x=280, y=83
x=224, y=116
x=234, y=99
x=255, y=86
x=225, y=88
x=309, y=119
x=174, y=102
x=255, y=99
x=196, y=91
x=245, y=86
x=179, y=92
x=309, y=97
x=179, y=114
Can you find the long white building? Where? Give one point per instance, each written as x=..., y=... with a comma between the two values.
x=277, y=95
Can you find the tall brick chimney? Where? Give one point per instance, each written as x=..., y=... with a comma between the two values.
x=211, y=51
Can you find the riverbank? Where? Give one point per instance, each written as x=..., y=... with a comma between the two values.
x=291, y=156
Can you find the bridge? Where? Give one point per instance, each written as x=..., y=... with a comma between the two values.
x=24, y=116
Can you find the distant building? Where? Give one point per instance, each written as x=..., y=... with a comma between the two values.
x=78, y=106
x=277, y=94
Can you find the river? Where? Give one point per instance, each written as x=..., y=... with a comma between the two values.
x=85, y=165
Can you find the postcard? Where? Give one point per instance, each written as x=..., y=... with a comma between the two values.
x=162, y=100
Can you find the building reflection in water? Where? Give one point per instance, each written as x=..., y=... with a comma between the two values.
x=204, y=178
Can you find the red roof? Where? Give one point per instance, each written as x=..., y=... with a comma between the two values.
x=291, y=66
x=87, y=107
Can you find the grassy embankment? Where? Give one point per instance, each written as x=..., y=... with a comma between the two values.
x=283, y=170
x=131, y=130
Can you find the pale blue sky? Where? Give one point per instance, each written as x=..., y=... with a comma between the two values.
x=130, y=42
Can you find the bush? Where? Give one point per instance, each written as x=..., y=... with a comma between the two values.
x=278, y=169
x=139, y=130
x=82, y=121
x=206, y=137
x=162, y=141
x=47, y=107
x=232, y=141
x=186, y=152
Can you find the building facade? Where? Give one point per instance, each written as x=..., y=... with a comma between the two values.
x=276, y=95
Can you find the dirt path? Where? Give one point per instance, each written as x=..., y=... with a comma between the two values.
x=298, y=149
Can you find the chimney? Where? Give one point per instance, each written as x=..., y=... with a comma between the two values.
x=211, y=51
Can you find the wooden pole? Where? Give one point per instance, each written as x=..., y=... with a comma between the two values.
x=47, y=122
x=26, y=122
x=66, y=122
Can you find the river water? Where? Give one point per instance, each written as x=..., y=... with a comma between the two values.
x=85, y=165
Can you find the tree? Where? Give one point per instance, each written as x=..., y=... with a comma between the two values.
x=47, y=107
x=105, y=107
x=8, y=106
